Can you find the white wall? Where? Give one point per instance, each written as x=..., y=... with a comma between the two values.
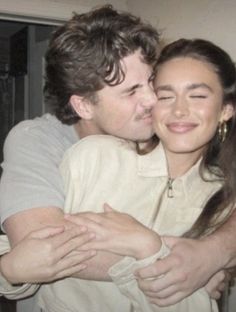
x=210, y=19
x=45, y=10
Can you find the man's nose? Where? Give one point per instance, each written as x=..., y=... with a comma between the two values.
x=149, y=98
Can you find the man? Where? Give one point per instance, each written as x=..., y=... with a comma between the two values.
x=98, y=80
x=99, y=67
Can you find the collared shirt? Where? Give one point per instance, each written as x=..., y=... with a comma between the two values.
x=101, y=169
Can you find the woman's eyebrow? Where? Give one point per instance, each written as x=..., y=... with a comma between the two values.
x=194, y=86
x=191, y=86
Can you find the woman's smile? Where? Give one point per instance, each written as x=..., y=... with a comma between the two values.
x=181, y=127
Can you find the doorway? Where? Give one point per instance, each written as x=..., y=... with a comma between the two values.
x=22, y=49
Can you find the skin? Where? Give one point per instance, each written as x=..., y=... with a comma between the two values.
x=46, y=255
x=183, y=273
x=123, y=110
x=123, y=235
x=188, y=111
x=119, y=233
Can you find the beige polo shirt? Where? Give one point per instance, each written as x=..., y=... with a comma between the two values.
x=101, y=169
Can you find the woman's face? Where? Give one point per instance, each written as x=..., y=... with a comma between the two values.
x=189, y=106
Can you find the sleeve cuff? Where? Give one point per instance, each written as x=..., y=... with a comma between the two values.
x=123, y=271
x=16, y=292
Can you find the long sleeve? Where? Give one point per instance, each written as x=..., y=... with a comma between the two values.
x=122, y=274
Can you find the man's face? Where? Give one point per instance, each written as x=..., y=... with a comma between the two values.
x=125, y=110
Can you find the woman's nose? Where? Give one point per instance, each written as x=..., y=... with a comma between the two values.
x=180, y=107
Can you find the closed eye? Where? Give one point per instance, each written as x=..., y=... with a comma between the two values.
x=163, y=98
x=132, y=92
x=198, y=96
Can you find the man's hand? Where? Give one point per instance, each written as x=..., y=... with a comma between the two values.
x=188, y=267
x=217, y=284
x=46, y=255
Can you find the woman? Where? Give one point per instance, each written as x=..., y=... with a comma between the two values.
x=185, y=186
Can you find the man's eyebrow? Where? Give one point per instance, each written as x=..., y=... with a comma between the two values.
x=132, y=88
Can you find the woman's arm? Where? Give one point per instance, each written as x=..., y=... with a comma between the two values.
x=118, y=233
x=182, y=272
x=122, y=234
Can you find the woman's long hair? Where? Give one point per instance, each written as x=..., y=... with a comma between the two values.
x=220, y=157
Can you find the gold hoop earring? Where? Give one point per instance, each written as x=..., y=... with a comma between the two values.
x=222, y=131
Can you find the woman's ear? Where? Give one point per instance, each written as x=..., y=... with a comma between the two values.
x=227, y=112
x=81, y=106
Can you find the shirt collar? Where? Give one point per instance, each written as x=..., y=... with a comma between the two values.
x=153, y=164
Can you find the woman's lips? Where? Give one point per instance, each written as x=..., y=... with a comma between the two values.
x=181, y=127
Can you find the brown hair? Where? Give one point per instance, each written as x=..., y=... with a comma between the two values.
x=85, y=54
x=220, y=157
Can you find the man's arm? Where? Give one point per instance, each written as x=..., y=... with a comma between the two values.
x=21, y=224
x=44, y=255
x=32, y=154
x=190, y=264
x=224, y=241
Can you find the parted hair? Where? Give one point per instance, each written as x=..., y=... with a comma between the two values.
x=86, y=53
x=219, y=157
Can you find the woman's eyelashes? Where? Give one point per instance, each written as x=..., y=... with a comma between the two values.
x=198, y=96
x=166, y=97
x=163, y=98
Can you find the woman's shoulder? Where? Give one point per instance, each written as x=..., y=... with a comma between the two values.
x=99, y=146
x=101, y=142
